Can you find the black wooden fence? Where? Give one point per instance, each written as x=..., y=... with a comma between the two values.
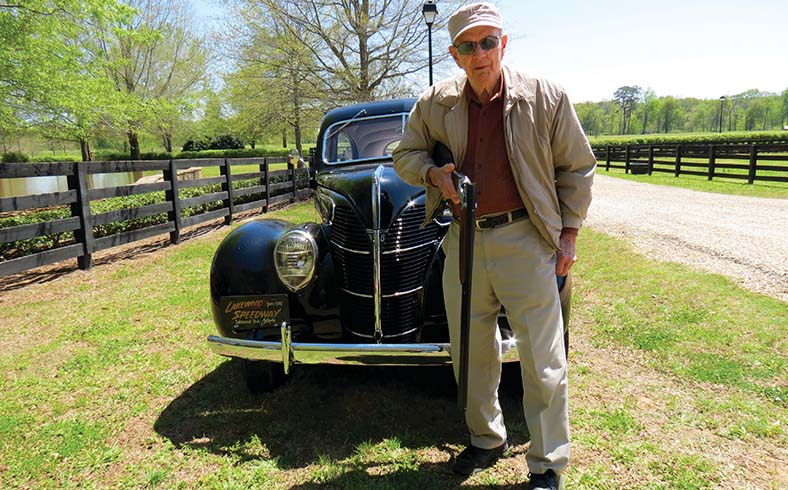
x=761, y=162
x=268, y=187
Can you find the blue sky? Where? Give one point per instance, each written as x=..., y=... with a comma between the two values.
x=688, y=48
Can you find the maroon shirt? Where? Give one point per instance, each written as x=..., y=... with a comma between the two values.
x=486, y=161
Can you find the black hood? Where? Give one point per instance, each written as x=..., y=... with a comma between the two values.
x=355, y=185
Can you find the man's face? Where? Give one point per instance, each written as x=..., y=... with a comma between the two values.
x=482, y=67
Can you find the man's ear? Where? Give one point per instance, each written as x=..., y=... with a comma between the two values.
x=504, y=41
x=454, y=54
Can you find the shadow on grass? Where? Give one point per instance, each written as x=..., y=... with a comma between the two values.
x=323, y=413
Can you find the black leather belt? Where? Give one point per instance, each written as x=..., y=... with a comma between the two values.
x=490, y=222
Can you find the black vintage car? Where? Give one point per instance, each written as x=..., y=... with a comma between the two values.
x=361, y=287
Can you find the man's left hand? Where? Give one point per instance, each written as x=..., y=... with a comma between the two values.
x=566, y=257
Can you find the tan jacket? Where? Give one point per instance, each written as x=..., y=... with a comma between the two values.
x=548, y=151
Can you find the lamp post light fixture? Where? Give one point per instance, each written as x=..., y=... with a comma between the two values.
x=722, y=103
x=430, y=12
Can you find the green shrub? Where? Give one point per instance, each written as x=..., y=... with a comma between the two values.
x=15, y=157
x=19, y=248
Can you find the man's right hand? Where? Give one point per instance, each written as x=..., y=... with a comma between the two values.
x=440, y=177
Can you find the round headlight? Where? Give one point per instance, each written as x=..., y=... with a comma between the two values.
x=294, y=257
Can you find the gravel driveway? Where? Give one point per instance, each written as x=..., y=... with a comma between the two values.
x=745, y=238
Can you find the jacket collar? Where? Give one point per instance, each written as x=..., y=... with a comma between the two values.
x=517, y=87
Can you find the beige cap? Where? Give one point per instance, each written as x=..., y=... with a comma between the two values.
x=474, y=15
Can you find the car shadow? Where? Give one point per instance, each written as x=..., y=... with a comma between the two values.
x=326, y=412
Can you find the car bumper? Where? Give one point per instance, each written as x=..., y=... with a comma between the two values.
x=290, y=353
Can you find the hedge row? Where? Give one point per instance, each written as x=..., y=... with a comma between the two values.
x=19, y=248
x=694, y=139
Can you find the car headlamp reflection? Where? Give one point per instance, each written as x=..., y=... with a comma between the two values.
x=294, y=257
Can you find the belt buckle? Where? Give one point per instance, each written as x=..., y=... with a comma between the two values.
x=478, y=222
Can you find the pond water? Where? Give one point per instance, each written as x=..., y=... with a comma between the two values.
x=43, y=185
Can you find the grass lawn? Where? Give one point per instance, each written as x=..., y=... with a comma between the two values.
x=677, y=381
x=720, y=185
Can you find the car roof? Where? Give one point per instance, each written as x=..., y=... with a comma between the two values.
x=378, y=108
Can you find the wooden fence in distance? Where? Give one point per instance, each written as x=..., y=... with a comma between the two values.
x=271, y=187
x=761, y=162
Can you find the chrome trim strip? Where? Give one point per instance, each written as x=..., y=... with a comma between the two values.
x=377, y=247
x=403, y=293
x=408, y=249
x=348, y=354
x=387, y=336
x=363, y=252
x=392, y=295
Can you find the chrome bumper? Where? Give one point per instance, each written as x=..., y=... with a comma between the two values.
x=290, y=353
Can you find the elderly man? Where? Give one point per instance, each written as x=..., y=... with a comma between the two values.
x=519, y=140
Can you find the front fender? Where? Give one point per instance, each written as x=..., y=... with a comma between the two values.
x=244, y=265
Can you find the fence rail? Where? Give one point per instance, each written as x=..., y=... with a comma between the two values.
x=764, y=162
x=235, y=193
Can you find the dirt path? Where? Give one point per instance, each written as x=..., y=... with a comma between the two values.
x=745, y=238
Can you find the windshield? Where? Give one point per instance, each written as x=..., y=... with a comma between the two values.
x=363, y=138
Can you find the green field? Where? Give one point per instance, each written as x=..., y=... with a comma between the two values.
x=677, y=381
x=721, y=185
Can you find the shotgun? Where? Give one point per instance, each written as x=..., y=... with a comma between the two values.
x=465, y=214
x=467, y=191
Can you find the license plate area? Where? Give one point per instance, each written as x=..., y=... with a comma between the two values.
x=252, y=312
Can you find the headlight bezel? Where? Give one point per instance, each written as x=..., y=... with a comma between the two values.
x=309, y=272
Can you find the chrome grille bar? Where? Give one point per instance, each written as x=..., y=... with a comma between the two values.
x=377, y=247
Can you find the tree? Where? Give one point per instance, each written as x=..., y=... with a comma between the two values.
x=668, y=113
x=273, y=62
x=157, y=62
x=47, y=78
x=784, y=107
x=360, y=49
x=627, y=98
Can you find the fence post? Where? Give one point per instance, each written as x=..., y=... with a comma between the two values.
x=650, y=159
x=753, y=164
x=263, y=170
x=267, y=193
x=171, y=195
x=607, y=159
x=626, y=160
x=227, y=186
x=678, y=161
x=292, y=168
x=712, y=160
x=81, y=208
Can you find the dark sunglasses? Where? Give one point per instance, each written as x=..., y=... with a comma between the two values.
x=469, y=47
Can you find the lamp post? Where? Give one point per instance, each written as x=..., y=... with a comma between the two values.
x=722, y=103
x=429, y=11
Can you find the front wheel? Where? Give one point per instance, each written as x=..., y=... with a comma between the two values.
x=262, y=376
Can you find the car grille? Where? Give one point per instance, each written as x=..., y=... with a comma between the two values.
x=407, y=250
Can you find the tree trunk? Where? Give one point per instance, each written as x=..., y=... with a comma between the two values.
x=284, y=137
x=134, y=145
x=251, y=144
x=85, y=147
x=166, y=139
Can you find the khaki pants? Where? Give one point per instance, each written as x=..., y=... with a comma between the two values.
x=514, y=267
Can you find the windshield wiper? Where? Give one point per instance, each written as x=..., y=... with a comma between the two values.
x=358, y=114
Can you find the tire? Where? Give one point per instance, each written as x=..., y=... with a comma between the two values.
x=262, y=376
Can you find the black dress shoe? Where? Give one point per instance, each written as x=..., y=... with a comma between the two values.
x=474, y=459
x=542, y=481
